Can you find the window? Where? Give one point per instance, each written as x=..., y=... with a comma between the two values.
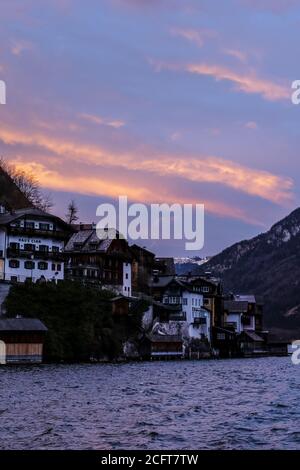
x=14, y=279
x=93, y=246
x=78, y=246
x=44, y=226
x=44, y=248
x=14, y=246
x=184, y=301
x=29, y=247
x=126, y=276
x=43, y=266
x=205, y=289
x=29, y=265
x=29, y=225
x=55, y=249
x=206, y=301
x=53, y=267
x=59, y=268
x=14, y=263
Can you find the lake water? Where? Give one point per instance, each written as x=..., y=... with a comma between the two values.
x=217, y=404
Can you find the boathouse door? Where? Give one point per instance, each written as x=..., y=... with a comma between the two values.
x=2, y=352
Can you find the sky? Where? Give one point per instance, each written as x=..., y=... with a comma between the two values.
x=160, y=100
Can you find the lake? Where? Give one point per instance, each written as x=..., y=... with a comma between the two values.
x=213, y=404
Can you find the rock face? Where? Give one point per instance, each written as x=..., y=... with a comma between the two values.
x=267, y=265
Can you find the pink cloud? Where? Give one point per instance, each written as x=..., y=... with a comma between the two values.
x=200, y=169
x=195, y=36
x=115, y=123
x=248, y=82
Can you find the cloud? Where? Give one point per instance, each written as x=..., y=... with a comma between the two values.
x=247, y=82
x=193, y=35
x=201, y=169
x=116, y=124
x=239, y=55
x=99, y=186
x=251, y=125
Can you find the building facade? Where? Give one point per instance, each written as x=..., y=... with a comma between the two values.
x=103, y=262
x=31, y=246
x=183, y=302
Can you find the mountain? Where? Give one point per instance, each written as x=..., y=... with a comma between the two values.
x=269, y=266
x=10, y=195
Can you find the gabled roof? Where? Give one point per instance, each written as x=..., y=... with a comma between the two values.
x=87, y=241
x=33, y=212
x=22, y=324
x=84, y=239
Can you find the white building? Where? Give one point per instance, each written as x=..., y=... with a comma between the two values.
x=189, y=301
x=239, y=314
x=31, y=246
x=127, y=273
x=197, y=317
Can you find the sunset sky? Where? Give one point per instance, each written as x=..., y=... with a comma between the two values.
x=160, y=100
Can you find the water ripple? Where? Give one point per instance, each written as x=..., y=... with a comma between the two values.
x=233, y=404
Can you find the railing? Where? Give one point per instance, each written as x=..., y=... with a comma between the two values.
x=200, y=320
x=61, y=234
x=42, y=255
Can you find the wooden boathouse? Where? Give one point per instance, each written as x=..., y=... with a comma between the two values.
x=21, y=340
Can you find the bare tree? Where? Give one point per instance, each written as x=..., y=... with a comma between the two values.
x=71, y=215
x=28, y=185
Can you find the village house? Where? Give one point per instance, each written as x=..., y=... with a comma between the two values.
x=142, y=267
x=211, y=290
x=106, y=263
x=178, y=311
x=189, y=302
x=243, y=313
x=21, y=340
x=241, y=331
x=31, y=245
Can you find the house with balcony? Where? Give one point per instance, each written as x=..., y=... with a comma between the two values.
x=182, y=302
x=106, y=263
x=31, y=246
x=241, y=332
x=243, y=313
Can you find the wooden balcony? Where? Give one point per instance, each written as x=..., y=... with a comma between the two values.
x=34, y=254
x=35, y=232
